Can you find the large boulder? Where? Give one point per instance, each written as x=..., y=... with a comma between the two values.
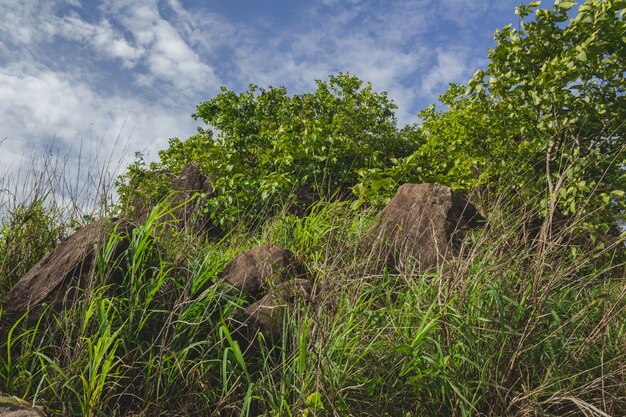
x=68, y=267
x=192, y=179
x=258, y=269
x=422, y=226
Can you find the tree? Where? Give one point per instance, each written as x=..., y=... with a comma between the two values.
x=547, y=115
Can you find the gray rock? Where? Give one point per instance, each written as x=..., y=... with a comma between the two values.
x=189, y=182
x=69, y=265
x=191, y=178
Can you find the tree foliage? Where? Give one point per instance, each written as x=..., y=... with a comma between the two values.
x=27, y=233
x=546, y=116
x=263, y=145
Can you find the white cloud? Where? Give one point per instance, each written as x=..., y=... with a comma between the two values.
x=132, y=32
x=391, y=44
x=384, y=48
x=20, y=20
x=171, y=59
x=168, y=57
x=103, y=37
x=464, y=12
x=451, y=66
x=204, y=31
x=40, y=107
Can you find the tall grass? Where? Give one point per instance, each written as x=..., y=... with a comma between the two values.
x=513, y=326
x=45, y=196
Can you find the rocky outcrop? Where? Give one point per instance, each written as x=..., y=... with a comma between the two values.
x=422, y=225
x=192, y=179
x=60, y=275
x=268, y=313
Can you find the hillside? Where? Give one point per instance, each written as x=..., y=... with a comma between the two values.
x=302, y=255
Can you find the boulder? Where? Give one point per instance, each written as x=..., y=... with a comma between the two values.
x=258, y=269
x=68, y=266
x=422, y=225
x=190, y=181
x=267, y=314
x=273, y=277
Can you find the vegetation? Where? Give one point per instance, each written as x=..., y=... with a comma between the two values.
x=265, y=146
x=530, y=320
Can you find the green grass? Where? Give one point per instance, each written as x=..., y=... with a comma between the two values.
x=509, y=328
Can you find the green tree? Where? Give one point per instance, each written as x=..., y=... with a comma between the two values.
x=144, y=185
x=546, y=116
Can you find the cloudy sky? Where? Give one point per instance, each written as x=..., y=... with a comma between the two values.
x=111, y=77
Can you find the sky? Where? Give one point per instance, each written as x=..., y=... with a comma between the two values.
x=100, y=80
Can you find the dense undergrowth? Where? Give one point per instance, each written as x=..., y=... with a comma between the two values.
x=512, y=327
x=530, y=319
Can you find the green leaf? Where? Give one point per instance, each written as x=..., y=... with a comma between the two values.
x=314, y=400
x=566, y=5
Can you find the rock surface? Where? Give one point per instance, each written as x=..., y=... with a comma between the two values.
x=68, y=265
x=11, y=407
x=273, y=277
x=268, y=313
x=256, y=270
x=190, y=181
x=423, y=225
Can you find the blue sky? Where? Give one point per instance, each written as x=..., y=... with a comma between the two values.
x=118, y=76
